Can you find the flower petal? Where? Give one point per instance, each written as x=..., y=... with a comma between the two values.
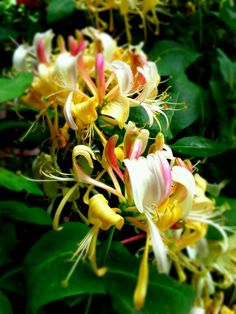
x=158, y=247
x=184, y=177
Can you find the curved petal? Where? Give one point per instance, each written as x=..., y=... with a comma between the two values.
x=124, y=75
x=184, y=177
x=118, y=109
x=158, y=246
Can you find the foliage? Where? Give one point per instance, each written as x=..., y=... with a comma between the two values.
x=194, y=54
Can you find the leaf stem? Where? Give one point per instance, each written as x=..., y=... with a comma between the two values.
x=88, y=305
x=109, y=241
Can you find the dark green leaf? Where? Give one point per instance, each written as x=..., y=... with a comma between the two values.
x=227, y=68
x=5, y=305
x=15, y=87
x=7, y=242
x=228, y=15
x=8, y=124
x=199, y=146
x=11, y=181
x=140, y=117
x=58, y=10
x=189, y=98
x=13, y=281
x=48, y=263
x=19, y=211
x=172, y=57
x=164, y=293
x=219, y=97
x=230, y=214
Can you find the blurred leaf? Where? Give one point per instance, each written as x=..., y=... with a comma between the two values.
x=13, y=281
x=199, y=146
x=15, y=87
x=11, y=181
x=7, y=241
x=140, y=117
x=186, y=94
x=7, y=33
x=229, y=217
x=19, y=211
x=171, y=57
x=219, y=97
x=228, y=15
x=227, y=68
x=163, y=292
x=230, y=214
x=8, y=124
x=58, y=10
x=5, y=305
x=48, y=263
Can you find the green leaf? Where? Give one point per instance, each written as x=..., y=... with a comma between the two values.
x=229, y=217
x=58, y=10
x=11, y=181
x=172, y=57
x=189, y=98
x=13, y=281
x=48, y=263
x=230, y=214
x=228, y=15
x=15, y=87
x=8, y=124
x=5, y=304
x=199, y=146
x=7, y=241
x=19, y=211
x=219, y=97
x=227, y=68
x=164, y=293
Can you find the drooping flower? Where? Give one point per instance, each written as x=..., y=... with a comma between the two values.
x=151, y=184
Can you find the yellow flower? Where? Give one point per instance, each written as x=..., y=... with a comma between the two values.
x=102, y=215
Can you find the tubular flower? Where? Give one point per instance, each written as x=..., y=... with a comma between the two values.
x=135, y=141
x=151, y=181
x=102, y=215
x=93, y=78
x=85, y=90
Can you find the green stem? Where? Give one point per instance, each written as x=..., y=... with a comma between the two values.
x=88, y=305
x=109, y=241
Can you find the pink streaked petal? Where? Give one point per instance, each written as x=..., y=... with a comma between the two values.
x=100, y=76
x=166, y=172
x=135, y=151
x=111, y=157
x=74, y=46
x=41, y=52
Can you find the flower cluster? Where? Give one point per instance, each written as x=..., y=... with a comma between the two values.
x=116, y=173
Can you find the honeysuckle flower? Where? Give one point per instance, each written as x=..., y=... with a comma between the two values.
x=20, y=58
x=80, y=174
x=135, y=141
x=66, y=70
x=42, y=44
x=105, y=40
x=25, y=57
x=150, y=180
x=101, y=216
x=151, y=185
